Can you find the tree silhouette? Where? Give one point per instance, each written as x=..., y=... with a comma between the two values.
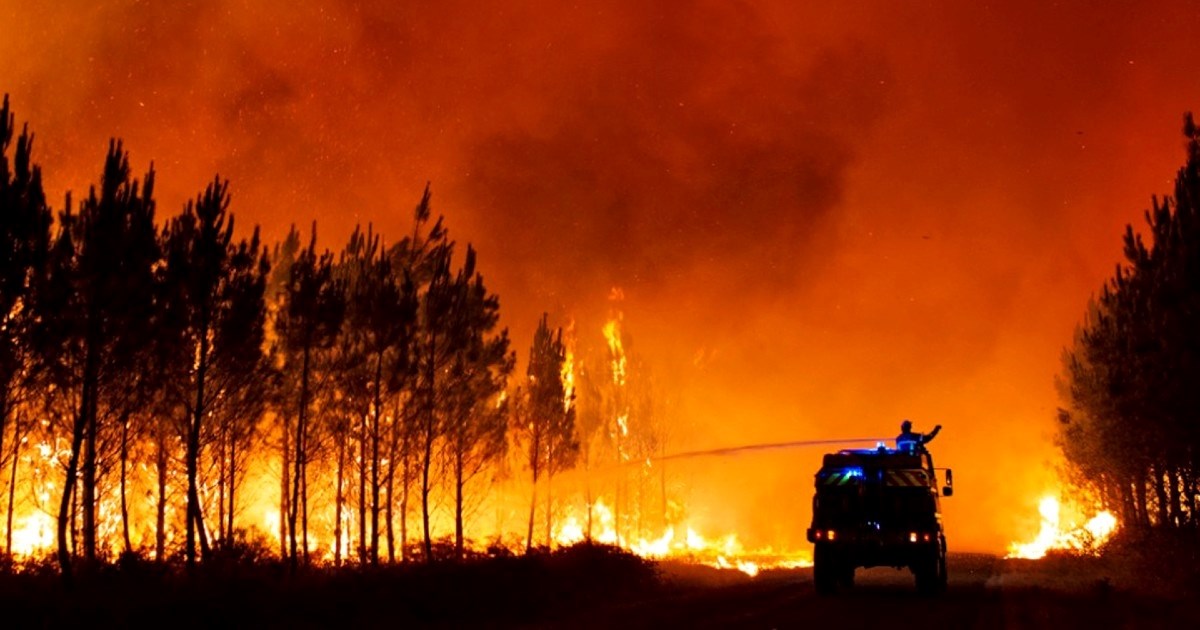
x=143, y=360
x=1129, y=429
x=241, y=375
x=24, y=246
x=283, y=257
x=380, y=322
x=215, y=290
x=434, y=350
x=549, y=422
x=421, y=256
x=97, y=296
x=476, y=419
x=308, y=324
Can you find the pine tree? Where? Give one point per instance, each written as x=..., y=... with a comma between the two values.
x=380, y=321
x=308, y=324
x=549, y=425
x=96, y=297
x=1129, y=429
x=475, y=423
x=24, y=247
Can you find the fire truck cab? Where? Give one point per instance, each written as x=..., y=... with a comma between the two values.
x=878, y=507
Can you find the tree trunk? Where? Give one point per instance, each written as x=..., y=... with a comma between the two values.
x=362, y=489
x=1126, y=495
x=65, y=508
x=233, y=480
x=12, y=484
x=160, y=516
x=337, y=512
x=124, y=502
x=285, y=484
x=1142, y=504
x=1175, y=504
x=404, y=488
x=458, y=502
x=427, y=452
x=426, y=461
x=298, y=503
x=4, y=381
x=304, y=503
x=549, y=506
x=1160, y=493
x=75, y=521
x=195, y=519
x=390, y=486
x=1191, y=497
x=375, y=436
x=535, y=462
x=88, y=500
x=221, y=534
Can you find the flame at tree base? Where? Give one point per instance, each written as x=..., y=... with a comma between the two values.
x=1086, y=539
x=684, y=544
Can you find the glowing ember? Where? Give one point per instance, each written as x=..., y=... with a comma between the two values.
x=1081, y=539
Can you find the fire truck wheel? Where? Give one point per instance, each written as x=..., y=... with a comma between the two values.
x=930, y=573
x=825, y=570
x=845, y=575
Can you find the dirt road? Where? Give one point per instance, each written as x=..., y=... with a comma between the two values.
x=984, y=592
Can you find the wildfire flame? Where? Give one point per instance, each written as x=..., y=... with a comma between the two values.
x=33, y=532
x=612, y=334
x=683, y=543
x=568, y=368
x=1087, y=539
x=39, y=464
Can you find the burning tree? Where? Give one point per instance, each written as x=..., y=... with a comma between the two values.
x=24, y=240
x=475, y=422
x=461, y=364
x=94, y=303
x=308, y=325
x=628, y=427
x=548, y=424
x=418, y=256
x=213, y=312
x=372, y=366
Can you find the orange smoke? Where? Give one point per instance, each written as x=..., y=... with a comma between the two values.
x=823, y=222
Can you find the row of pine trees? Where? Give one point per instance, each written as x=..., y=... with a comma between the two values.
x=140, y=347
x=1130, y=428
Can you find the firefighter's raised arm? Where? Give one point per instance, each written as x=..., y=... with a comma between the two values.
x=932, y=434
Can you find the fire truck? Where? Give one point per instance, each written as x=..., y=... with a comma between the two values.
x=879, y=507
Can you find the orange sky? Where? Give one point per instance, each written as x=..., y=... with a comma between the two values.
x=824, y=220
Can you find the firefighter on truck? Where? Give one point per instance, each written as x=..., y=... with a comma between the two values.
x=880, y=507
x=910, y=442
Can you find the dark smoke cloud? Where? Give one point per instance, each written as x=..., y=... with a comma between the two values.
x=689, y=162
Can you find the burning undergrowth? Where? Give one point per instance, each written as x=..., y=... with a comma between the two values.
x=1066, y=532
